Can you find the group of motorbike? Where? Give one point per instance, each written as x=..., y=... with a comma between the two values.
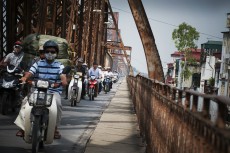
x=40, y=112
x=90, y=85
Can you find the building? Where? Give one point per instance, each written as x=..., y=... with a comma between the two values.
x=210, y=68
x=178, y=58
x=224, y=85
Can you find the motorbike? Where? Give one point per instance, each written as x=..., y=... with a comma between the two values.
x=107, y=82
x=86, y=83
x=115, y=78
x=10, y=89
x=40, y=114
x=75, y=89
x=92, y=86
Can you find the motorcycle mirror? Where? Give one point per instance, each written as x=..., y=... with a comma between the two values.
x=66, y=70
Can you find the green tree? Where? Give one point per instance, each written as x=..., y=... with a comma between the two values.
x=184, y=38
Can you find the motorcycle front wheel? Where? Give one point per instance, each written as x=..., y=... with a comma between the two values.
x=5, y=104
x=36, y=135
x=91, y=94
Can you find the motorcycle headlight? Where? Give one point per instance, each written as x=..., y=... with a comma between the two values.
x=42, y=84
x=92, y=77
x=76, y=76
x=6, y=84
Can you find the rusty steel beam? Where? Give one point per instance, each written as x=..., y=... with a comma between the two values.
x=118, y=47
x=90, y=34
x=85, y=32
x=100, y=32
x=72, y=35
x=155, y=70
x=94, y=30
x=119, y=36
x=80, y=22
x=104, y=35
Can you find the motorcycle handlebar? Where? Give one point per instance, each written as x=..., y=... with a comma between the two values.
x=35, y=83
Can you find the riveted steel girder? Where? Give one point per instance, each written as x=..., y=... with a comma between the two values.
x=154, y=65
x=74, y=20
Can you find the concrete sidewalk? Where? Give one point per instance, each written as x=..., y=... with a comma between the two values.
x=117, y=130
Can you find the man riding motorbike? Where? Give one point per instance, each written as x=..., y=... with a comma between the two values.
x=50, y=69
x=110, y=74
x=15, y=58
x=94, y=70
x=83, y=69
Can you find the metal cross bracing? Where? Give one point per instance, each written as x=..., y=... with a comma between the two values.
x=75, y=20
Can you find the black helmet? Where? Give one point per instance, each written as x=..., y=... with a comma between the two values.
x=51, y=43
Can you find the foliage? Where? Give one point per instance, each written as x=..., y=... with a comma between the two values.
x=211, y=81
x=184, y=38
x=186, y=73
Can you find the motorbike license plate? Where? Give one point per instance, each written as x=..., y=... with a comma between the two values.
x=41, y=96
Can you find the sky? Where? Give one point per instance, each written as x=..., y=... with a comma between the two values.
x=207, y=16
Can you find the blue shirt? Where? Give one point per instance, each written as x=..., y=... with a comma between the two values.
x=48, y=71
x=96, y=72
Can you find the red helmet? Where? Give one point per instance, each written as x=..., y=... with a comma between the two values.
x=18, y=43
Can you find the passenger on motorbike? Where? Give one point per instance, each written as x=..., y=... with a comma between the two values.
x=48, y=68
x=41, y=56
x=15, y=57
x=94, y=70
x=110, y=74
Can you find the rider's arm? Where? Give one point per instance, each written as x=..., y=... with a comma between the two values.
x=31, y=72
x=26, y=76
x=63, y=79
x=6, y=60
x=89, y=72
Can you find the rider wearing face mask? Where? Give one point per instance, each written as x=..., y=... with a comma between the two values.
x=48, y=68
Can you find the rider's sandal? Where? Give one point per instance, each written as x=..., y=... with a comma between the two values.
x=20, y=133
x=57, y=135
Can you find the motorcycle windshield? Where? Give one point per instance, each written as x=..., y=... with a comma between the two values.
x=8, y=77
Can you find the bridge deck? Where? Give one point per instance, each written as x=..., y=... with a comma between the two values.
x=117, y=130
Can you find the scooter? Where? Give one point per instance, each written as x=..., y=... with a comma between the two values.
x=107, y=82
x=9, y=89
x=75, y=89
x=40, y=114
x=92, y=87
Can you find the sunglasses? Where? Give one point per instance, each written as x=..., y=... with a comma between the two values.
x=51, y=51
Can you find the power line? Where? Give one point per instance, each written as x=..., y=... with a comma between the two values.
x=168, y=23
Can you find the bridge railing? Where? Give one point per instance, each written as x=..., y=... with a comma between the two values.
x=179, y=121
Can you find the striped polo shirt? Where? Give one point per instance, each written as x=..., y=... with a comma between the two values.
x=48, y=71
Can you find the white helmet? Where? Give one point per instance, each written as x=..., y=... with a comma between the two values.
x=99, y=66
x=80, y=60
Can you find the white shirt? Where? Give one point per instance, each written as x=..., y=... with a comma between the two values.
x=110, y=74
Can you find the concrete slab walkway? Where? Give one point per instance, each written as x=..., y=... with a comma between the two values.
x=117, y=130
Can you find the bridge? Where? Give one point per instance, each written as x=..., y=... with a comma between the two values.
x=170, y=120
